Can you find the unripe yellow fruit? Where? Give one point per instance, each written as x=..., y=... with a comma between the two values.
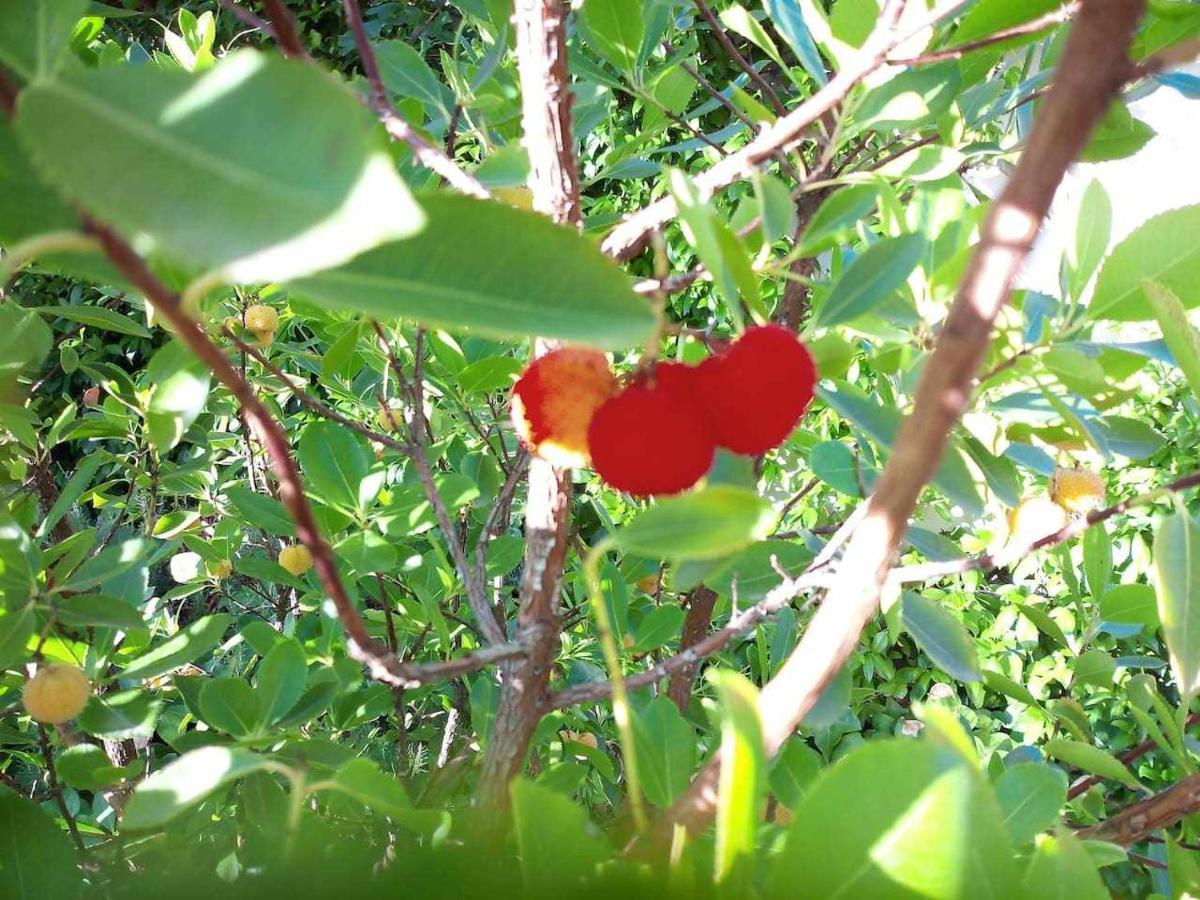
x=222, y=569
x=391, y=419
x=648, y=585
x=296, y=559
x=265, y=338
x=1076, y=490
x=55, y=694
x=262, y=318
x=521, y=197
x=1036, y=518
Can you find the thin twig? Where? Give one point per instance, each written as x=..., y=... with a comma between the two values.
x=1132, y=755
x=283, y=25
x=1041, y=23
x=740, y=61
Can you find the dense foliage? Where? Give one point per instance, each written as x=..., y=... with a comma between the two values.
x=234, y=734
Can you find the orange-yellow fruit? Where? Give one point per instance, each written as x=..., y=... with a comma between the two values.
x=554, y=400
x=581, y=737
x=265, y=337
x=260, y=317
x=1076, y=490
x=222, y=569
x=296, y=559
x=648, y=585
x=91, y=397
x=1036, y=518
x=55, y=694
x=391, y=419
x=520, y=197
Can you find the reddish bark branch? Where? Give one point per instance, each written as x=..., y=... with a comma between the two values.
x=1138, y=821
x=740, y=61
x=695, y=626
x=1093, y=67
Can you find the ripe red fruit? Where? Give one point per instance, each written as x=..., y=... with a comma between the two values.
x=756, y=390
x=554, y=399
x=650, y=439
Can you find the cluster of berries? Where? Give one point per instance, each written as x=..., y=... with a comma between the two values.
x=658, y=434
x=1072, y=491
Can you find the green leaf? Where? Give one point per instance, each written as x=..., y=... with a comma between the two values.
x=1177, y=580
x=1045, y=624
x=931, y=829
x=79, y=481
x=1031, y=797
x=789, y=20
x=16, y=628
x=666, y=751
x=542, y=817
x=121, y=716
x=660, y=625
x=212, y=144
x=87, y=767
x=261, y=511
x=873, y=277
x=405, y=72
x=837, y=216
x=1002, y=684
x=34, y=34
x=185, y=646
x=1161, y=251
x=1097, y=559
x=179, y=390
x=362, y=780
x=743, y=780
x=335, y=463
x=673, y=89
x=1090, y=759
x=97, y=609
x=616, y=29
x=187, y=781
x=778, y=207
x=1062, y=867
x=738, y=19
x=524, y=276
x=1119, y=135
x=942, y=636
x=109, y=564
x=1093, y=230
x=230, y=705
x=1130, y=604
x=794, y=771
x=97, y=317
x=1095, y=667
x=833, y=703
x=24, y=339
x=702, y=525
x=37, y=861
x=282, y=677
x=908, y=100
x=1182, y=338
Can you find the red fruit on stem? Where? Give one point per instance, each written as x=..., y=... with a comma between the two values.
x=650, y=440
x=554, y=400
x=755, y=392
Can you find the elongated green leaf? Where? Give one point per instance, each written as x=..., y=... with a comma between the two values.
x=121, y=716
x=184, y=646
x=179, y=390
x=1089, y=759
x=282, y=677
x=1119, y=135
x=263, y=512
x=1092, y=233
x=98, y=317
x=542, y=816
x=790, y=23
x=837, y=216
x=1162, y=251
x=1063, y=867
x=34, y=34
x=80, y=481
x=171, y=791
x=666, y=751
x=1177, y=580
x=523, y=276
x=1031, y=796
x=1181, y=336
x=872, y=278
x=86, y=767
x=24, y=339
x=406, y=73
x=96, y=609
x=215, y=145
x=942, y=636
x=230, y=705
x=362, y=780
x=932, y=829
x=1130, y=604
x=36, y=859
x=334, y=462
x=702, y=525
x=616, y=28
x=16, y=628
x=743, y=780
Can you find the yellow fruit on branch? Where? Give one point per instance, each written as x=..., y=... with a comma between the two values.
x=1036, y=518
x=55, y=694
x=260, y=317
x=265, y=338
x=296, y=559
x=648, y=585
x=1077, y=490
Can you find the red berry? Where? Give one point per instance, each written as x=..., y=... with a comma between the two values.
x=649, y=439
x=554, y=400
x=756, y=390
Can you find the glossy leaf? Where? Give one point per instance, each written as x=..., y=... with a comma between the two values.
x=1177, y=581
x=1090, y=759
x=36, y=858
x=185, y=646
x=35, y=34
x=702, y=525
x=942, y=636
x=1031, y=797
x=1179, y=333
x=185, y=782
x=616, y=27
x=871, y=279
x=1159, y=251
x=743, y=779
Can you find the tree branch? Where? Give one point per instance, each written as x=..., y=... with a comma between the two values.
x=740, y=61
x=1137, y=821
x=283, y=27
x=1093, y=67
x=1056, y=17
x=1134, y=753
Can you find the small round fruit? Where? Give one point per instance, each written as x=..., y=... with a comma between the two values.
x=296, y=559
x=221, y=570
x=260, y=317
x=756, y=390
x=554, y=400
x=648, y=585
x=391, y=419
x=55, y=694
x=1036, y=518
x=648, y=441
x=1076, y=490
x=91, y=397
x=265, y=338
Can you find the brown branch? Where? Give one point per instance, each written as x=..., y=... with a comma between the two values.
x=56, y=789
x=1041, y=23
x=283, y=26
x=695, y=625
x=1092, y=69
x=627, y=238
x=1171, y=57
x=740, y=61
x=1137, y=821
x=311, y=403
x=398, y=128
x=249, y=18
x=554, y=180
x=1132, y=755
